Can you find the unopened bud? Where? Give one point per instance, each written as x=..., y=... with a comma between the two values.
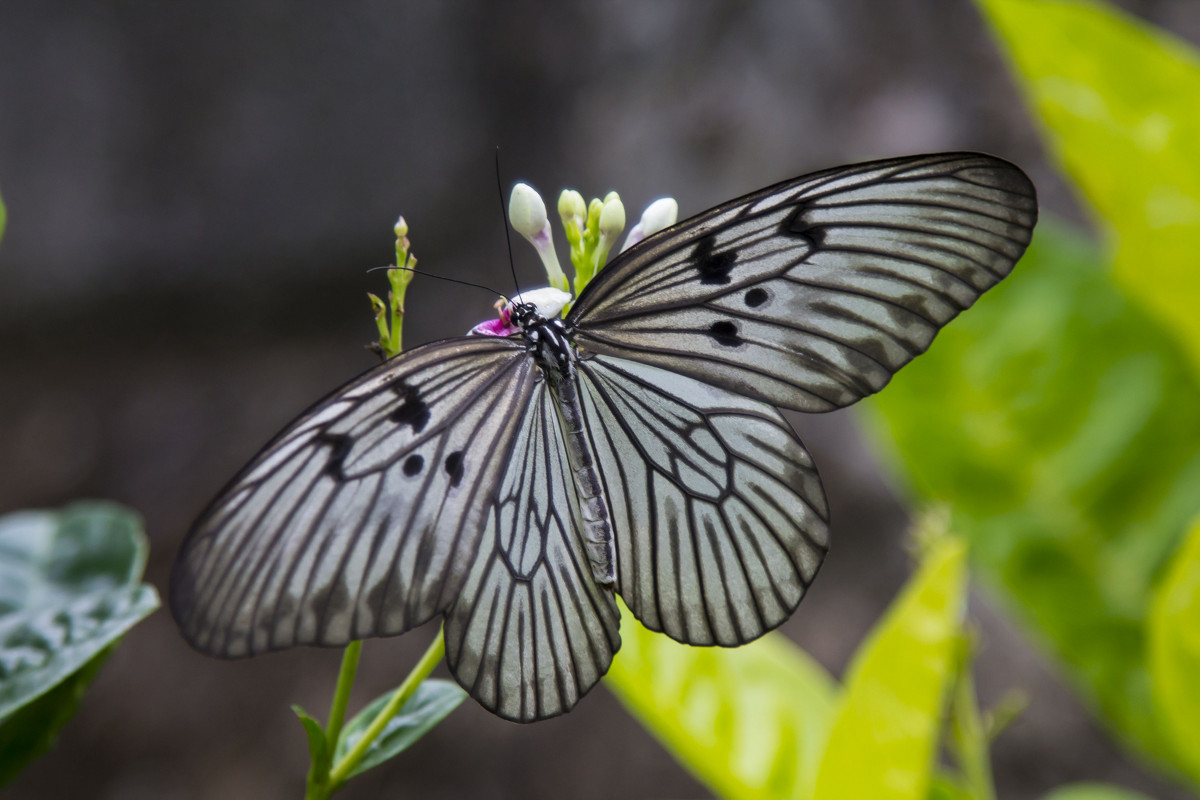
x=526, y=211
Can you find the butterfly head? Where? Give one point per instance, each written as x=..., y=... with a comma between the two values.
x=524, y=315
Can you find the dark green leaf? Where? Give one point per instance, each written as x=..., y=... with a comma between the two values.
x=31, y=730
x=68, y=590
x=429, y=705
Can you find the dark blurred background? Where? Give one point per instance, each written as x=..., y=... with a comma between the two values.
x=194, y=194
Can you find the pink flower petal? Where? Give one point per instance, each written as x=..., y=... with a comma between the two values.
x=493, y=327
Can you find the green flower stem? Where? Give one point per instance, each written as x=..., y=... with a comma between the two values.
x=435, y=653
x=969, y=740
x=341, y=695
x=399, y=280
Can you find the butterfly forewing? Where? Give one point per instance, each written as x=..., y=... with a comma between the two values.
x=812, y=293
x=356, y=519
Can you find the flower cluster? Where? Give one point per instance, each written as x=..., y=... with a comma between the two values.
x=591, y=230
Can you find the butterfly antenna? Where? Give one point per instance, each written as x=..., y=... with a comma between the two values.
x=438, y=277
x=504, y=216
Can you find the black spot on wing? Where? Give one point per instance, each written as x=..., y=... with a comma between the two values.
x=454, y=467
x=339, y=448
x=714, y=268
x=796, y=226
x=756, y=297
x=412, y=410
x=413, y=465
x=725, y=333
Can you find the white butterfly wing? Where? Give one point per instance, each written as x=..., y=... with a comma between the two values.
x=720, y=518
x=532, y=630
x=363, y=516
x=440, y=482
x=810, y=294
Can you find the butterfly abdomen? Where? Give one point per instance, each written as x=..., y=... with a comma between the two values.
x=556, y=359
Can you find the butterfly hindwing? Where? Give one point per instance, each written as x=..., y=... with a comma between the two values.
x=719, y=515
x=531, y=630
x=810, y=294
x=355, y=520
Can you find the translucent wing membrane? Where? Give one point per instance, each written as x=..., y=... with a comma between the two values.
x=532, y=630
x=362, y=517
x=812, y=293
x=449, y=480
x=720, y=519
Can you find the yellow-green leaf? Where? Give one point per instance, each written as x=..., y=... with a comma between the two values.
x=884, y=735
x=750, y=722
x=1175, y=652
x=1118, y=99
x=1094, y=791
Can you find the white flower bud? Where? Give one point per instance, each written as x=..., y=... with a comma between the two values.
x=526, y=211
x=572, y=208
x=527, y=214
x=612, y=217
x=659, y=215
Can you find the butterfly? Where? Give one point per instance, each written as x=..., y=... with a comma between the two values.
x=515, y=485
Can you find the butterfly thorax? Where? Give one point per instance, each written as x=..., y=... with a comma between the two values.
x=550, y=348
x=555, y=356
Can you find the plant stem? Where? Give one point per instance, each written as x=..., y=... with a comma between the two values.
x=341, y=694
x=969, y=741
x=435, y=653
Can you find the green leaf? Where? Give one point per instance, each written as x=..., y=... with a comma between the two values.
x=943, y=787
x=1175, y=651
x=749, y=722
x=1118, y=101
x=3, y=218
x=432, y=701
x=68, y=590
x=885, y=733
x=318, y=746
x=1094, y=791
x=1062, y=424
x=31, y=729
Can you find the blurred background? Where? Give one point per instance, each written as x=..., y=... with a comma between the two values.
x=195, y=192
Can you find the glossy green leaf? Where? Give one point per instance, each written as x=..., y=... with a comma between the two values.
x=885, y=732
x=69, y=587
x=1062, y=423
x=432, y=701
x=1175, y=651
x=1118, y=99
x=1094, y=791
x=749, y=722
